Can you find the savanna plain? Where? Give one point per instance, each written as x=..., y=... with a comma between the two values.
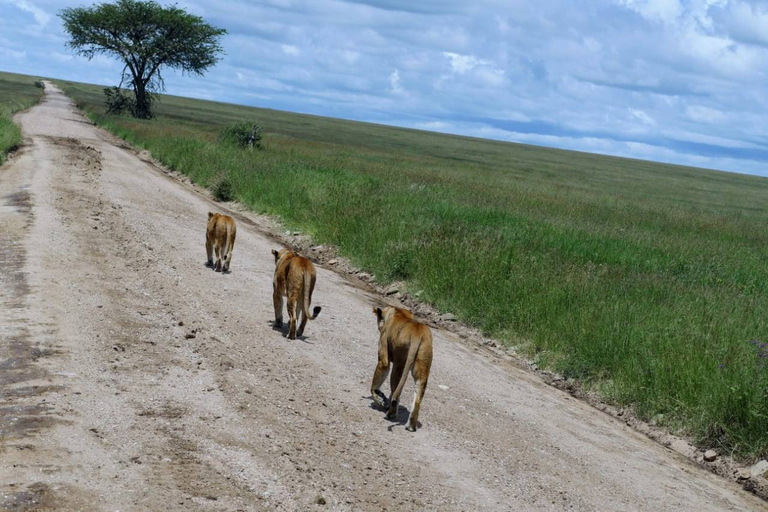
x=646, y=282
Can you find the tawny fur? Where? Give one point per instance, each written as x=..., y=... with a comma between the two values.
x=407, y=345
x=220, y=237
x=295, y=278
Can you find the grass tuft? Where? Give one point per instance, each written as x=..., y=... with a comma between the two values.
x=17, y=92
x=222, y=190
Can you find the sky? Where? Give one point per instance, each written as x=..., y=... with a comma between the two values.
x=678, y=81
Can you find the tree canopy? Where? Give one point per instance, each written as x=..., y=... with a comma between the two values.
x=147, y=37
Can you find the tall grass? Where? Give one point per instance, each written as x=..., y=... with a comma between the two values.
x=17, y=92
x=648, y=282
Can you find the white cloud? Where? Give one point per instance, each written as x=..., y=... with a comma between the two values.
x=394, y=82
x=642, y=116
x=13, y=54
x=491, y=76
x=666, y=11
x=62, y=57
x=746, y=22
x=289, y=49
x=41, y=17
x=462, y=63
x=703, y=114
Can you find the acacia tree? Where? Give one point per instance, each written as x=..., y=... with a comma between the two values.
x=147, y=37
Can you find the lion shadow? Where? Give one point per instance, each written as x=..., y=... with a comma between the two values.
x=283, y=329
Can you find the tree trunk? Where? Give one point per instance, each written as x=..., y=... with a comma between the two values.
x=142, y=110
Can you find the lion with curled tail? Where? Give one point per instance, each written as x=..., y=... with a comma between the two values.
x=295, y=278
x=220, y=237
x=407, y=345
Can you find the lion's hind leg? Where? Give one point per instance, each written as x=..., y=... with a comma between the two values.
x=217, y=249
x=292, y=318
x=379, y=376
x=394, y=401
x=420, y=385
x=209, y=252
x=277, y=302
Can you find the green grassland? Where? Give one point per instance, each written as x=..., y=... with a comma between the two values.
x=17, y=92
x=647, y=282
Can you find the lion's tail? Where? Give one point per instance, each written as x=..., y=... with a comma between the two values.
x=307, y=292
x=227, y=243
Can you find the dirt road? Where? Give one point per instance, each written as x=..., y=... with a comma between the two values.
x=134, y=378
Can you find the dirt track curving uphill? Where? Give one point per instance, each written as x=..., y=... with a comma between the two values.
x=134, y=378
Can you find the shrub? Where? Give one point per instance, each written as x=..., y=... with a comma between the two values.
x=243, y=134
x=39, y=84
x=222, y=190
x=119, y=103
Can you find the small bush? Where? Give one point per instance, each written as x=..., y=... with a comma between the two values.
x=117, y=102
x=39, y=84
x=243, y=134
x=222, y=190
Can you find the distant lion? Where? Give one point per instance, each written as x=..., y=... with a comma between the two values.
x=220, y=236
x=407, y=345
x=295, y=278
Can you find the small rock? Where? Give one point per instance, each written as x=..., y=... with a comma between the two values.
x=296, y=233
x=444, y=388
x=759, y=469
x=319, y=248
x=189, y=335
x=332, y=262
x=391, y=290
x=534, y=367
x=181, y=324
x=320, y=500
x=364, y=276
x=743, y=474
x=710, y=455
x=448, y=317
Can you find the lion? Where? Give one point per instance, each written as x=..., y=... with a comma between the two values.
x=295, y=278
x=407, y=345
x=220, y=236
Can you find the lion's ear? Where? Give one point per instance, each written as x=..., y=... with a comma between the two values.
x=210, y=214
x=378, y=313
x=276, y=254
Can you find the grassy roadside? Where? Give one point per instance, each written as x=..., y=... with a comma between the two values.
x=17, y=92
x=647, y=281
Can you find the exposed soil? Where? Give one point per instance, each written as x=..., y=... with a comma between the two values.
x=132, y=377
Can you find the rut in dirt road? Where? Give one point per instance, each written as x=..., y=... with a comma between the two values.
x=135, y=378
